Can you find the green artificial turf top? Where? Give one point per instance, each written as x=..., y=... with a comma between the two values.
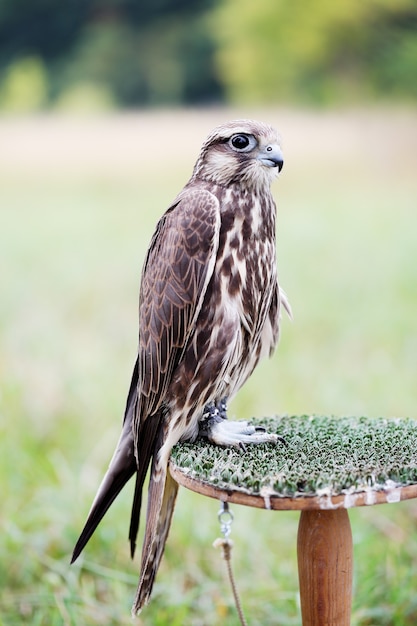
x=323, y=455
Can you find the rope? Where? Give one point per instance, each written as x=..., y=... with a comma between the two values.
x=227, y=545
x=225, y=517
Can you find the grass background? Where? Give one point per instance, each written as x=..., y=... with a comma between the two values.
x=79, y=199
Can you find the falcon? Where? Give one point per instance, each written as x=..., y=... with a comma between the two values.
x=209, y=310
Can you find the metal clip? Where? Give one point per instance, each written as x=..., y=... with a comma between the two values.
x=225, y=517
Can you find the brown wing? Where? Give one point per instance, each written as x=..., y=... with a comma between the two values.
x=177, y=270
x=176, y=273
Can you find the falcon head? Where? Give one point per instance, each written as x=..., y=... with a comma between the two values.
x=242, y=151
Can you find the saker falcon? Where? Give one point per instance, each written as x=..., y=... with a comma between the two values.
x=209, y=310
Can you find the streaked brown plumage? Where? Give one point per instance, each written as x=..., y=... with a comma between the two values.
x=209, y=309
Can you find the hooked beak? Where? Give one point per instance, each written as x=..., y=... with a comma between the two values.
x=271, y=156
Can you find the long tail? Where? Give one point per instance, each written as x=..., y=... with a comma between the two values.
x=121, y=469
x=123, y=466
x=162, y=493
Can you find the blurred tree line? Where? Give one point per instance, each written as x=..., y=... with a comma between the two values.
x=319, y=52
x=129, y=53
x=108, y=52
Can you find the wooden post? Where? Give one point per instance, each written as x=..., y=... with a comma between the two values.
x=325, y=559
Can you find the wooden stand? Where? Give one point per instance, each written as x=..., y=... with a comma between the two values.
x=324, y=547
x=324, y=550
x=381, y=467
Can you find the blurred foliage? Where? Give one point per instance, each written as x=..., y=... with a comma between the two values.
x=348, y=50
x=105, y=53
x=24, y=86
x=128, y=53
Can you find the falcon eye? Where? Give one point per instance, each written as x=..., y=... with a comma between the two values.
x=242, y=142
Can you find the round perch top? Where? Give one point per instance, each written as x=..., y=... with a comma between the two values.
x=326, y=462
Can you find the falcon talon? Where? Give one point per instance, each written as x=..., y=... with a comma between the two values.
x=235, y=433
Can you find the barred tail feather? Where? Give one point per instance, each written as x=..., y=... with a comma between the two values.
x=162, y=494
x=121, y=469
x=147, y=436
x=125, y=463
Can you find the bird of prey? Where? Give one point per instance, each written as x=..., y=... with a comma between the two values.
x=209, y=310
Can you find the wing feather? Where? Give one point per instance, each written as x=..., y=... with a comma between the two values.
x=176, y=273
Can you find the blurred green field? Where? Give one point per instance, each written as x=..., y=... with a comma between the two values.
x=79, y=199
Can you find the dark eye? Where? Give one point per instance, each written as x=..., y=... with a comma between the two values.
x=240, y=142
